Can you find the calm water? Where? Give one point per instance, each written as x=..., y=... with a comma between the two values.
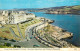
x=68, y=22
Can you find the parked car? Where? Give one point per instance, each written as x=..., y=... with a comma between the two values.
x=36, y=45
x=31, y=37
x=36, y=37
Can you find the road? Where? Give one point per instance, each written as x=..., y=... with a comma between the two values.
x=29, y=33
x=19, y=31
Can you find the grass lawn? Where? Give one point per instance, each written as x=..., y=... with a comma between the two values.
x=14, y=27
x=5, y=32
x=5, y=46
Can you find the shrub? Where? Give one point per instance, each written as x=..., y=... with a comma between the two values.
x=5, y=39
x=13, y=40
x=15, y=45
x=19, y=46
x=64, y=30
x=7, y=44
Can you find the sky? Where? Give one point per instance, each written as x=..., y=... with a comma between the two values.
x=11, y=4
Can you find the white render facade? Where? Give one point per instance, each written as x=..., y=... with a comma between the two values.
x=17, y=18
x=2, y=19
x=14, y=17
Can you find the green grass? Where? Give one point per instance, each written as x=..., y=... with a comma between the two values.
x=66, y=8
x=76, y=7
x=14, y=27
x=1, y=46
x=71, y=8
x=5, y=32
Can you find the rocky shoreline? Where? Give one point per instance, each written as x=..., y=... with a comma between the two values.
x=64, y=34
x=57, y=30
x=55, y=35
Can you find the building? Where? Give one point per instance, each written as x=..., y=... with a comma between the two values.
x=5, y=13
x=19, y=17
x=14, y=17
x=3, y=19
x=0, y=25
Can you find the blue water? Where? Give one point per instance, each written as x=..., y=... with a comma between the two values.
x=68, y=22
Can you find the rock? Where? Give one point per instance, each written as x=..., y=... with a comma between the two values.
x=51, y=21
x=67, y=35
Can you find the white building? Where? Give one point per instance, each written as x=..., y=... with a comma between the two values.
x=14, y=17
x=17, y=18
x=0, y=25
x=5, y=13
x=3, y=19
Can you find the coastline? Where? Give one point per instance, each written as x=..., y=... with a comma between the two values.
x=48, y=21
x=58, y=38
x=62, y=13
x=63, y=30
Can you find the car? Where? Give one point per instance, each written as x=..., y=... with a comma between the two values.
x=31, y=37
x=36, y=45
